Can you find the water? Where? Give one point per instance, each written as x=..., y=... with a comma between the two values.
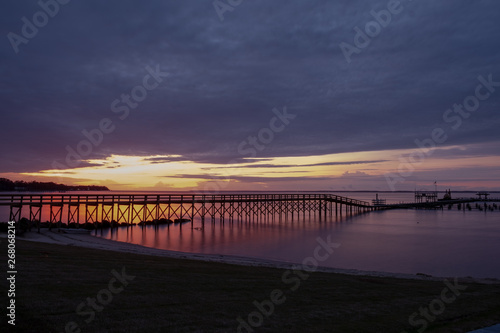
x=436, y=242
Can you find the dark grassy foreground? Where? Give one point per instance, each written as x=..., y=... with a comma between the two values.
x=170, y=295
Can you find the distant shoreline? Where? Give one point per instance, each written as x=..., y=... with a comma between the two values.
x=7, y=185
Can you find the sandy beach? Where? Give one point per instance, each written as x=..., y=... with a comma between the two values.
x=189, y=292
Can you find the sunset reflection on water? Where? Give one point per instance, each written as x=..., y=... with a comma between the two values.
x=436, y=242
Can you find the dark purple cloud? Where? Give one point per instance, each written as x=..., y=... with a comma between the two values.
x=224, y=78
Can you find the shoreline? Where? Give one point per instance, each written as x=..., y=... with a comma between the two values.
x=93, y=242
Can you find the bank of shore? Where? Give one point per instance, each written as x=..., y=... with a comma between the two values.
x=183, y=292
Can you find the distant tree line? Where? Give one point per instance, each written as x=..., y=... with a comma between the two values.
x=20, y=185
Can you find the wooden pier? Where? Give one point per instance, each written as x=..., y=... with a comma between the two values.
x=135, y=208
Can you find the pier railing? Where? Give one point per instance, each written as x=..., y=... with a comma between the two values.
x=47, y=199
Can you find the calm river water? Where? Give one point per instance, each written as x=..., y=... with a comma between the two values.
x=436, y=242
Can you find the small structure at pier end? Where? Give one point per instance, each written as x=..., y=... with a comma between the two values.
x=378, y=202
x=481, y=194
x=425, y=196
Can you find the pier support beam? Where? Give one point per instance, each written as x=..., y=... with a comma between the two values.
x=36, y=214
x=15, y=212
x=123, y=214
x=56, y=214
x=91, y=213
x=74, y=213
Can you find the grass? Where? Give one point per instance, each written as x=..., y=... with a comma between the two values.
x=174, y=295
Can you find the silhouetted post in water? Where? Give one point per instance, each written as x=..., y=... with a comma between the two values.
x=192, y=213
x=325, y=204
x=182, y=203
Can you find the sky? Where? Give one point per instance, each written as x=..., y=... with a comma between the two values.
x=251, y=95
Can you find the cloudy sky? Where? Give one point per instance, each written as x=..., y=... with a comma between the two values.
x=257, y=95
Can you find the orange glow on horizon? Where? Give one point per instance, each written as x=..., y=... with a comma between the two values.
x=359, y=170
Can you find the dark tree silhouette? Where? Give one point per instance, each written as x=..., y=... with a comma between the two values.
x=20, y=185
